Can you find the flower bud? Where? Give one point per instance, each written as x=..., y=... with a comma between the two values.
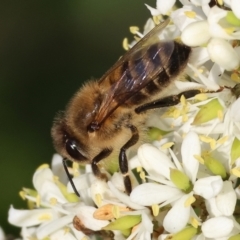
x=222, y=52
x=196, y=34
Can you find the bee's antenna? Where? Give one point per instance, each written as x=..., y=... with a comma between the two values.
x=69, y=176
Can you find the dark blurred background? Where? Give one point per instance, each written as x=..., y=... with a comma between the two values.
x=47, y=49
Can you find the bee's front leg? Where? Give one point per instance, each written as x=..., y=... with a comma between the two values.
x=123, y=162
x=96, y=171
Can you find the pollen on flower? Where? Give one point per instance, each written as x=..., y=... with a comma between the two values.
x=220, y=2
x=220, y=115
x=134, y=29
x=43, y=166
x=194, y=222
x=155, y=209
x=201, y=97
x=167, y=145
x=66, y=230
x=222, y=140
x=139, y=169
x=235, y=77
x=22, y=194
x=116, y=211
x=230, y=30
x=38, y=200
x=157, y=19
x=75, y=167
x=45, y=217
x=125, y=44
x=98, y=199
x=199, y=159
x=236, y=171
x=53, y=201
x=190, y=14
x=209, y=140
x=142, y=175
x=189, y=201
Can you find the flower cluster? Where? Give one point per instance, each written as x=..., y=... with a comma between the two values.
x=186, y=182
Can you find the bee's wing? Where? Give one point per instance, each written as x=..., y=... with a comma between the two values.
x=140, y=65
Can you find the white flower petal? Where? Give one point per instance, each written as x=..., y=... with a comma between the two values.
x=57, y=168
x=196, y=34
x=212, y=208
x=165, y=6
x=154, y=11
x=234, y=111
x=221, y=52
x=41, y=175
x=49, y=228
x=208, y=187
x=123, y=197
x=216, y=14
x=178, y=216
x=101, y=188
x=190, y=147
x=27, y=218
x=155, y=193
x=217, y=227
x=154, y=161
x=62, y=234
x=226, y=199
x=235, y=5
x=85, y=214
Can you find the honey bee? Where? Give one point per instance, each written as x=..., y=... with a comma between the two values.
x=107, y=117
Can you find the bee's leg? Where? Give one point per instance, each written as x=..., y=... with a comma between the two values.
x=123, y=162
x=167, y=101
x=103, y=154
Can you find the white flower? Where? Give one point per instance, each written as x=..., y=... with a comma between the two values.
x=163, y=7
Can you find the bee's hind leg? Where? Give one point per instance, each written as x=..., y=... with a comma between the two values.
x=123, y=162
x=167, y=101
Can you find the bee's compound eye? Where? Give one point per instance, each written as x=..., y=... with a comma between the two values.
x=73, y=151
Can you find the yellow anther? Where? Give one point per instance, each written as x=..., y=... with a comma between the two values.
x=199, y=158
x=194, y=222
x=155, y=210
x=134, y=29
x=43, y=166
x=236, y=171
x=22, y=194
x=230, y=30
x=53, y=201
x=45, y=217
x=189, y=201
x=38, y=200
x=98, y=199
x=125, y=44
x=222, y=140
x=201, y=97
x=190, y=14
x=139, y=169
x=167, y=145
x=143, y=176
x=116, y=211
x=220, y=115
